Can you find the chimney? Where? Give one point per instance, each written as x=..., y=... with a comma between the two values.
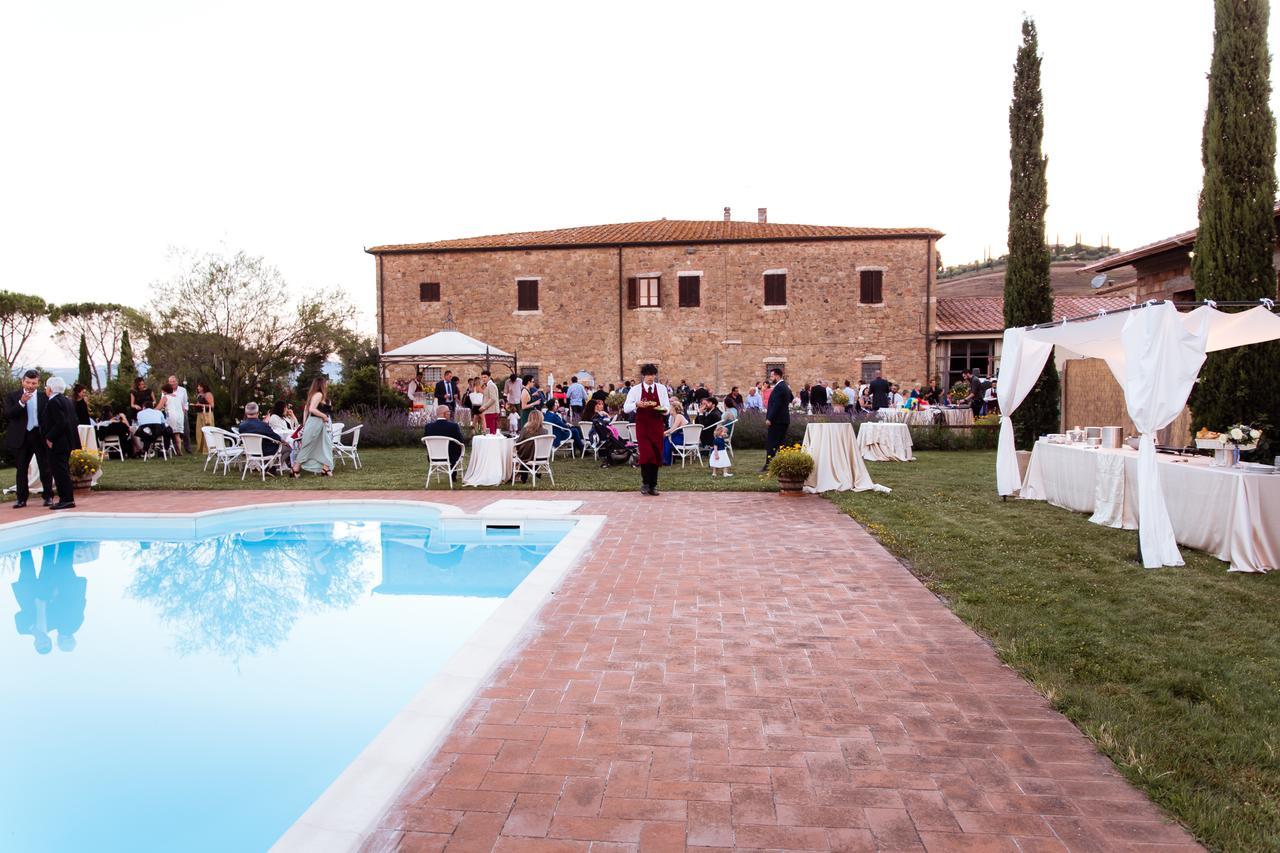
x=726, y=214
x=762, y=215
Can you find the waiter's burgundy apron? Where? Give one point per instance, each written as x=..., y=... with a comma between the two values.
x=649, y=429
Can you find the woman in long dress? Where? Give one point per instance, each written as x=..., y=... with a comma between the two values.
x=204, y=415
x=315, y=449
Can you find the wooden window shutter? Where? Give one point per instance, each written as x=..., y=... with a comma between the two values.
x=633, y=297
x=527, y=295
x=657, y=294
x=775, y=289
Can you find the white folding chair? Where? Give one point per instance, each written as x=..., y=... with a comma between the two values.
x=691, y=443
x=541, y=460
x=555, y=430
x=111, y=444
x=224, y=448
x=438, y=461
x=160, y=447
x=348, y=450
x=255, y=458
x=626, y=430
x=335, y=431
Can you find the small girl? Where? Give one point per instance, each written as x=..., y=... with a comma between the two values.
x=720, y=455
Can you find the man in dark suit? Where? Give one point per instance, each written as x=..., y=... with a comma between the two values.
x=25, y=410
x=61, y=435
x=818, y=398
x=977, y=391
x=881, y=392
x=254, y=424
x=447, y=392
x=442, y=426
x=777, y=418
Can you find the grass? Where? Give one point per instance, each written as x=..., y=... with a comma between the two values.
x=405, y=468
x=1174, y=673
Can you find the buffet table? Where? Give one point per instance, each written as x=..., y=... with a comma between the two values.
x=885, y=442
x=1227, y=512
x=957, y=416
x=490, y=462
x=837, y=466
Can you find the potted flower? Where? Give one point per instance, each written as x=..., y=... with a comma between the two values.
x=958, y=393
x=839, y=401
x=85, y=464
x=1228, y=444
x=792, y=466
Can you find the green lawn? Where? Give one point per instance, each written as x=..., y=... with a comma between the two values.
x=405, y=468
x=1174, y=673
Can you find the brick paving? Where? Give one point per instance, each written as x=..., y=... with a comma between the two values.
x=751, y=672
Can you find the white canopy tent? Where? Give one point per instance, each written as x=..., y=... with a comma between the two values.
x=1155, y=353
x=446, y=346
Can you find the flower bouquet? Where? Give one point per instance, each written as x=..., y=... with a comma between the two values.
x=1228, y=444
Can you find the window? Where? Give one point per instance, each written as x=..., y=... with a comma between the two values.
x=526, y=294
x=869, y=369
x=871, y=287
x=432, y=375
x=769, y=367
x=527, y=370
x=429, y=291
x=968, y=355
x=690, y=291
x=644, y=292
x=775, y=288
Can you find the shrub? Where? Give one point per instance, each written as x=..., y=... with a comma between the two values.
x=791, y=463
x=360, y=389
x=383, y=427
x=954, y=438
x=615, y=400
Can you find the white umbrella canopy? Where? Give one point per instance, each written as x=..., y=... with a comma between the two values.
x=447, y=343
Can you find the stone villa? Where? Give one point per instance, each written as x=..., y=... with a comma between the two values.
x=715, y=301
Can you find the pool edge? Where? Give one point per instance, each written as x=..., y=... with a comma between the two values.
x=347, y=812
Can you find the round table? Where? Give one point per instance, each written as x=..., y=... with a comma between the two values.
x=958, y=415
x=490, y=462
x=836, y=464
x=885, y=442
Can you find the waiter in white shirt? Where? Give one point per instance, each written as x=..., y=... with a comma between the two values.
x=650, y=404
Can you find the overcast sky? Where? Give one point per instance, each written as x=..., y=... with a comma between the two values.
x=306, y=131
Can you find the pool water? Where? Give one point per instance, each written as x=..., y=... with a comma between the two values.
x=199, y=694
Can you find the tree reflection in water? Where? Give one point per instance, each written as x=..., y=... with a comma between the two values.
x=240, y=594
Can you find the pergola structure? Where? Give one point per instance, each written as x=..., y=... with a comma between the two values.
x=446, y=348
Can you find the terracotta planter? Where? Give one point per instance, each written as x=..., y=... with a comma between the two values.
x=791, y=486
x=82, y=484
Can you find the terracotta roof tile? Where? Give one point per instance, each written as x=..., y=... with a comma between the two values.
x=658, y=231
x=986, y=313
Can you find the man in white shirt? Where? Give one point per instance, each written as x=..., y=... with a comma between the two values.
x=576, y=397
x=649, y=402
x=152, y=427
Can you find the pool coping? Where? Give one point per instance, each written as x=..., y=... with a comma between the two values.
x=349, y=808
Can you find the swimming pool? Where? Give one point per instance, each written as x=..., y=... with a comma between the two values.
x=180, y=684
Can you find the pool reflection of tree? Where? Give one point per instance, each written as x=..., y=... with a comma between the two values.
x=240, y=594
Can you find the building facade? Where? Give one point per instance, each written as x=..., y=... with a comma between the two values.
x=1162, y=270
x=718, y=302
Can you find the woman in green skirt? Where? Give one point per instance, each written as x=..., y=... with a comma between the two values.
x=315, y=448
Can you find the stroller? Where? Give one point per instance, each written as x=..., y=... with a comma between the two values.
x=609, y=444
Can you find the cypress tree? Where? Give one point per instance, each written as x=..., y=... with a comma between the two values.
x=1233, y=254
x=127, y=369
x=1028, y=297
x=85, y=377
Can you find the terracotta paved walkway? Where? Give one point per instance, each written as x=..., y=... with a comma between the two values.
x=752, y=672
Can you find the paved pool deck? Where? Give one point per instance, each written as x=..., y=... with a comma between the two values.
x=751, y=672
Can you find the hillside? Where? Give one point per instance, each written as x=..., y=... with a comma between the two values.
x=1065, y=277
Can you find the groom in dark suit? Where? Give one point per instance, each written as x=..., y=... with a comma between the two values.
x=61, y=435
x=447, y=392
x=777, y=418
x=25, y=411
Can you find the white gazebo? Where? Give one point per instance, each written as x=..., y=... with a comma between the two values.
x=1155, y=353
x=445, y=348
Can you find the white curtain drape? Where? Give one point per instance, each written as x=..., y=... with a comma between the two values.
x=1162, y=358
x=1021, y=360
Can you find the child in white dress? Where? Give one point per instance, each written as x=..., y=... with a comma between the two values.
x=720, y=460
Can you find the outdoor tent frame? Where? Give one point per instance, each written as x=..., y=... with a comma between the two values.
x=443, y=360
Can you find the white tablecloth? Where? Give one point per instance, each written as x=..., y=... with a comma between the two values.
x=1225, y=512
x=836, y=464
x=88, y=438
x=490, y=462
x=962, y=416
x=885, y=442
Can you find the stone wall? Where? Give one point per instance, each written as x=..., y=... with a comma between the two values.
x=822, y=332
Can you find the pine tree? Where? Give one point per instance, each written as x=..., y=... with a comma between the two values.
x=127, y=369
x=86, y=375
x=1028, y=297
x=1233, y=254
